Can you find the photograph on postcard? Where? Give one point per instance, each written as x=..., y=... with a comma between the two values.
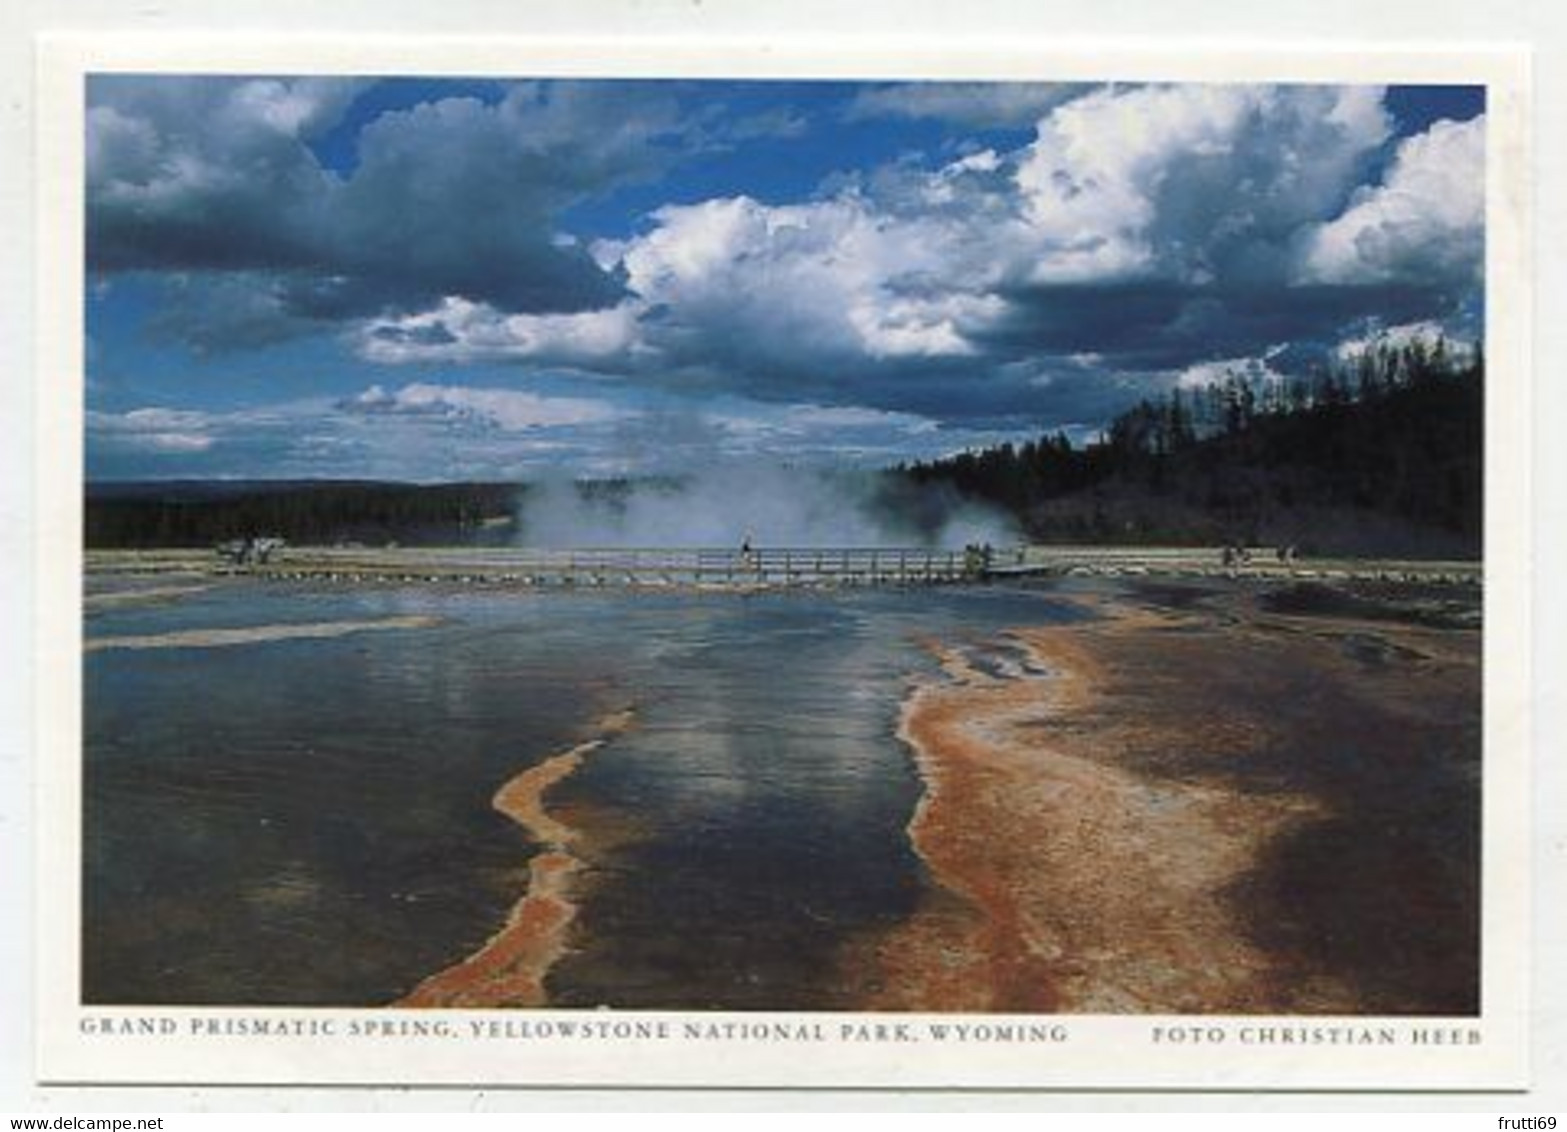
x=783, y=545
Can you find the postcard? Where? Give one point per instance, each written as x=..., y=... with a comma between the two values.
x=610, y=565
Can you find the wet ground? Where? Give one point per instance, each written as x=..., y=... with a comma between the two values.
x=1225, y=802
x=1123, y=796
x=276, y=817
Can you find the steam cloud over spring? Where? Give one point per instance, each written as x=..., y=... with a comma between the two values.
x=768, y=504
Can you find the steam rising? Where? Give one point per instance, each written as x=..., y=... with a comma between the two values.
x=769, y=505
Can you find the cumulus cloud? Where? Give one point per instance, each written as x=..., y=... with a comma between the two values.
x=1136, y=235
x=1192, y=183
x=450, y=197
x=1254, y=371
x=458, y=330
x=1425, y=221
x=457, y=197
x=204, y=173
x=1427, y=332
x=1153, y=227
x=741, y=295
x=835, y=277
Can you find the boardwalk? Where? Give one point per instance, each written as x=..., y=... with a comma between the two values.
x=1201, y=561
x=651, y=567
x=646, y=566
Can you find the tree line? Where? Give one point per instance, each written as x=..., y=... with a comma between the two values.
x=321, y=512
x=1380, y=451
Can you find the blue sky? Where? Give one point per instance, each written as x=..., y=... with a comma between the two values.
x=430, y=279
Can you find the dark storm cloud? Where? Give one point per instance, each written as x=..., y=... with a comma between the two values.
x=205, y=173
x=451, y=197
x=1158, y=325
x=210, y=313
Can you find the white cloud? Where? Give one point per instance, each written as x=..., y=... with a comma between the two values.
x=421, y=431
x=153, y=431
x=1155, y=180
x=513, y=410
x=829, y=279
x=853, y=416
x=294, y=107
x=963, y=270
x=1425, y=220
x=458, y=330
x=1256, y=371
x=1089, y=178
x=1427, y=331
x=1178, y=183
x=789, y=431
x=733, y=284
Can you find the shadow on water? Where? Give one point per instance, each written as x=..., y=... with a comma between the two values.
x=1383, y=890
x=1435, y=606
x=1395, y=909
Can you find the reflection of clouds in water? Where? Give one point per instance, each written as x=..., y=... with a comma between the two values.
x=258, y=634
x=1001, y=658
x=769, y=792
x=792, y=706
x=105, y=598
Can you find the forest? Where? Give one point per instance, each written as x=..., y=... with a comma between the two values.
x=1382, y=453
x=202, y=513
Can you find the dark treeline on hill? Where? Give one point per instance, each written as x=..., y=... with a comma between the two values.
x=196, y=514
x=1382, y=454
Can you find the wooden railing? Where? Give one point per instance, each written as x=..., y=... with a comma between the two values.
x=634, y=565
x=804, y=566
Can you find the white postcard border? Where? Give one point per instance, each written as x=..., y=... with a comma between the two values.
x=1487, y=1053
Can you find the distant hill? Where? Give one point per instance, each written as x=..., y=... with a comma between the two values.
x=1383, y=455
x=189, y=491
